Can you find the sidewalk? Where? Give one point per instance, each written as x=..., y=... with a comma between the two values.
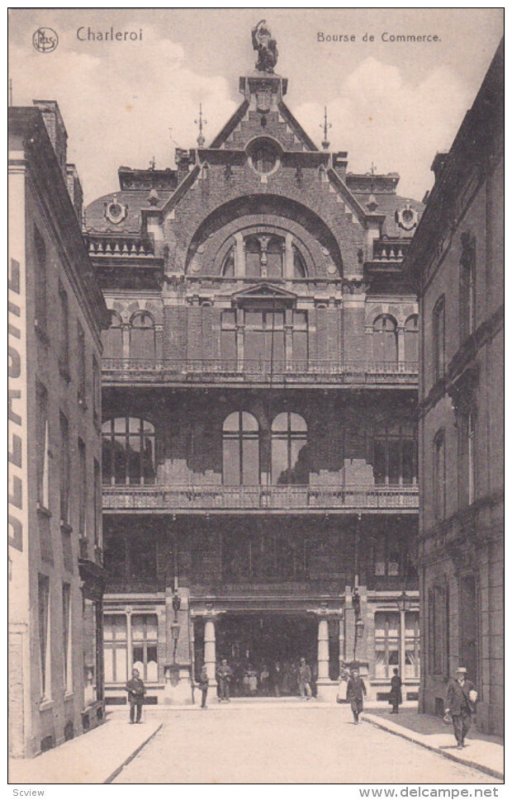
x=94, y=757
x=481, y=752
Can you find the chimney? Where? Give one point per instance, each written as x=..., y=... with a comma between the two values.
x=75, y=190
x=56, y=130
x=438, y=163
x=183, y=160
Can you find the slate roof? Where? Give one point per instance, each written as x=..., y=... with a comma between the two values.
x=135, y=200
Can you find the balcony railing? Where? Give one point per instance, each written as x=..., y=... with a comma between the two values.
x=255, y=498
x=390, y=250
x=218, y=370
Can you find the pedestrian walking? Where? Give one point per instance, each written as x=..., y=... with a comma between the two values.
x=224, y=675
x=395, y=695
x=356, y=690
x=460, y=704
x=203, y=685
x=136, y=691
x=304, y=675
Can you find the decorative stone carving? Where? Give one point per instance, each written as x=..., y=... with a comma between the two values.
x=265, y=46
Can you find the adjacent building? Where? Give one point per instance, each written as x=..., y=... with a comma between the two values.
x=456, y=258
x=56, y=310
x=260, y=496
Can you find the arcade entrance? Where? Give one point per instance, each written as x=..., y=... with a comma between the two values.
x=263, y=650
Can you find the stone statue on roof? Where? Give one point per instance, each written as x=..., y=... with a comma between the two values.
x=265, y=46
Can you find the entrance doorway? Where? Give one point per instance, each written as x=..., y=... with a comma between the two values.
x=263, y=650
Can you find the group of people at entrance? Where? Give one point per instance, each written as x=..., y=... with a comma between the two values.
x=248, y=681
x=243, y=678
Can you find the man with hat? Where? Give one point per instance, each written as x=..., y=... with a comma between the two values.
x=460, y=703
x=355, y=693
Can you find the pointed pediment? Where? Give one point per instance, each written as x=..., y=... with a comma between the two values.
x=264, y=293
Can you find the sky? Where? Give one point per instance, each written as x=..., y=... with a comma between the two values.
x=390, y=104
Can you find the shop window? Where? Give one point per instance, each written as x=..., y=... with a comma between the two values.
x=290, y=462
x=387, y=632
x=240, y=450
x=128, y=451
x=384, y=338
x=412, y=645
x=144, y=645
x=130, y=642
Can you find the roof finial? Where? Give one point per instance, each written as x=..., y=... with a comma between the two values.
x=200, y=122
x=326, y=126
x=152, y=164
x=373, y=169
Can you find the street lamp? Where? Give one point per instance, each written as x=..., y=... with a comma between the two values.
x=175, y=635
x=403, y=604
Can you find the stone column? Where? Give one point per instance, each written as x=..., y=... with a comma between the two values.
x=210, y=652
x=323, y=649
x=400, y=335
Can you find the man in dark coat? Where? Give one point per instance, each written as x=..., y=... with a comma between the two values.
x=136, y=691
x=355, y=692
x=395, y=695
x=203, y=685
x=224, y=675
x=460, y=703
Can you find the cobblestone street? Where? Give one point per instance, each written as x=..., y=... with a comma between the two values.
x=282, y=745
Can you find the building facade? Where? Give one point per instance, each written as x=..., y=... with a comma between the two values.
x=56, y=310
x=457, y=259
x=260, y=494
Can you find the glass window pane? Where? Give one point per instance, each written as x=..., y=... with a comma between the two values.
x=280, y=423
x=249, y=422
x=379, y=461
x=119, y=424
x=137, y=626
x=120, y=664
x=254, y=345
x=119, y=627
x=228, y=347
x=408, y=461
x=394, y=460
x=152, y=627
x=232, y=422
x=280, y=471
x=231, y=462
x=251, y=467
x=297, y=423
x=108, y=661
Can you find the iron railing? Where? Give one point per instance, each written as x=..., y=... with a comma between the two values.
x=258, y=370
x=278, y=498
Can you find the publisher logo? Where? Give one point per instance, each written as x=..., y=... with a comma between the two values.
x=45, y=40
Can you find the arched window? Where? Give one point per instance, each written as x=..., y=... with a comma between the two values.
x=113, y=337
x=299, y=265
x=263, y=158
x=385, y=347
x=394, y=454
x=240, y=450
x=228, y=265
x=142, y=335
x=128, y=451
x=290, y=463
x=438, y=339
x=264, y=256
x=411, y=339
